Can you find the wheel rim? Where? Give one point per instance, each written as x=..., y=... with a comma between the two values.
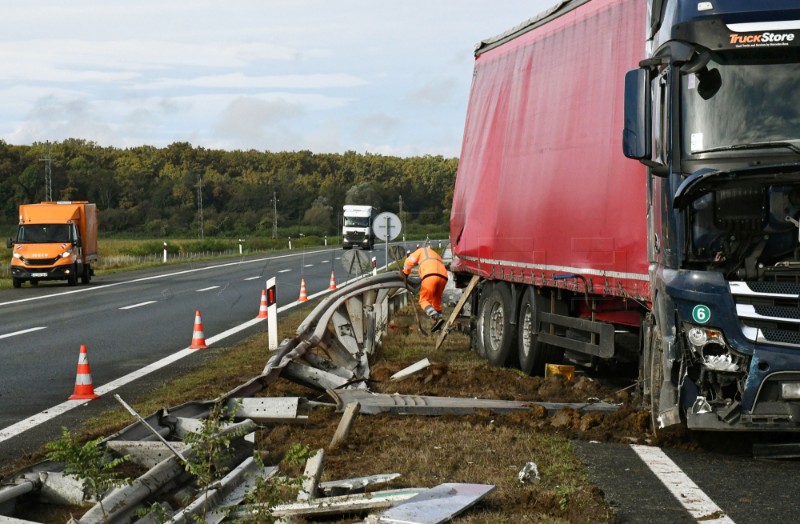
x=496, y=317
x=526, y=333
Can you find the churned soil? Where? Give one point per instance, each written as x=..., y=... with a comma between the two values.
x=481, y=447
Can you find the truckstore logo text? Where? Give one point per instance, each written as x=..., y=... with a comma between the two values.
x=763, y=39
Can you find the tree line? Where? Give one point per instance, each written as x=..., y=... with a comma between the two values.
x=164, y=191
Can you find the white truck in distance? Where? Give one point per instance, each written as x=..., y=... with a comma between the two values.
x=357, y=227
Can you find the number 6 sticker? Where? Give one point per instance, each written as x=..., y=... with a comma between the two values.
x=701, y=314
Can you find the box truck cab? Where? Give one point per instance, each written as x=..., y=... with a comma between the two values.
x=54, y=241
x=357, y=227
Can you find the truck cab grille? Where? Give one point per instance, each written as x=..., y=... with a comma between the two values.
x=769, y=312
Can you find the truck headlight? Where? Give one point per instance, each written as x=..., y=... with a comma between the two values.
x=17, y=255
x=66, y=253
x=699, y=337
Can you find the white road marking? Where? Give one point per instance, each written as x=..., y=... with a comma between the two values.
x=140, y=304
x=7, y=335
x=309, y=265
x=324, y=261
x=691, y=497
x=207, y=289
x=252, y=278
x=284, y=270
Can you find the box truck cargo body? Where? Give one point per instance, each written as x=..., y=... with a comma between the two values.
x=54, y=241
x=685, y=262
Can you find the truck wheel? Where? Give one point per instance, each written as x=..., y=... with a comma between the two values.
x=86, y=276
x=499, y=335
x=533, y=354
x=16, y=282
x=72, y=279
x=653, y=373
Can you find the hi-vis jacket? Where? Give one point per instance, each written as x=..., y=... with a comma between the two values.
x=429, y=261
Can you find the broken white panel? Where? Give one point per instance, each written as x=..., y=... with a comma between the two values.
x=267, y=409
x=410, y=370
x=437, y=505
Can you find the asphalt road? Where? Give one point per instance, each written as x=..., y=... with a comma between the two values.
x=129, y=320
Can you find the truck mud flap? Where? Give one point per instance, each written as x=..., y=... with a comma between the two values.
x=602, y=348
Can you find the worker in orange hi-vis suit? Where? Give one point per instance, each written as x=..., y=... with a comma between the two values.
x=433, y=278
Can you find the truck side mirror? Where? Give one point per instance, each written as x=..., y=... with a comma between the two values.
x=10, y=242
x=77, y=242
x=636, y=139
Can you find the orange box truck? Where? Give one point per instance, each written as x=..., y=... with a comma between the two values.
x=54, y=241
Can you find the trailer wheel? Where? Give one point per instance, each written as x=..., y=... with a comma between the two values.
x=533, y=354
x=499, y=335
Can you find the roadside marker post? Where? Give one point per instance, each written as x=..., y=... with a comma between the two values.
x=272, y=314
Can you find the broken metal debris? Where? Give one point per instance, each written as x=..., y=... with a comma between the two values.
x=410, y=370
x=373, y=403
x=340, y=487
x=311, y=476
x=529, y=474
x=345, y=424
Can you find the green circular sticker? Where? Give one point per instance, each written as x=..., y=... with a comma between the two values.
x=701, y=314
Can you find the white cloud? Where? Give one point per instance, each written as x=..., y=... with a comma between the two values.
x=316, y=74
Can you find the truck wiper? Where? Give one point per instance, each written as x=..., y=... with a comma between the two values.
x=754, y=145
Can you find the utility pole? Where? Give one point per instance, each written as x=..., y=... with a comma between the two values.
x=274, y=215
x=48, y=175
x=200, y=204
x=400, y=214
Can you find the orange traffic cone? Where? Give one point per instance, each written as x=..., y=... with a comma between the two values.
x=262, y=309
x=84, y=390
x=198, y=338
x=332, y=285
x=303, y=296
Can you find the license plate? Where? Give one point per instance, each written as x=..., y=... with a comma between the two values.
x=38, y=275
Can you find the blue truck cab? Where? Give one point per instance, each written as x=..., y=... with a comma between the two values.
x=714, y=113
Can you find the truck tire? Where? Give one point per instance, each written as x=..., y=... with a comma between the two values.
x=16, y=282
x=72, y=278
x=533, y=354
x=653, y=374
x=86, y=276
x=499, y=335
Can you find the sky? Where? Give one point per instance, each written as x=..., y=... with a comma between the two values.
x=329, y=76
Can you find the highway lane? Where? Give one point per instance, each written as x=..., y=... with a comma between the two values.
x=129, y=320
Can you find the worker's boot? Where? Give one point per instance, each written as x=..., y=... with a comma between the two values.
x=438, y=322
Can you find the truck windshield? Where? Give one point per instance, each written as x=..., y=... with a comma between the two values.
x=44, y=233
x=742, y=104
x=356, y=221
